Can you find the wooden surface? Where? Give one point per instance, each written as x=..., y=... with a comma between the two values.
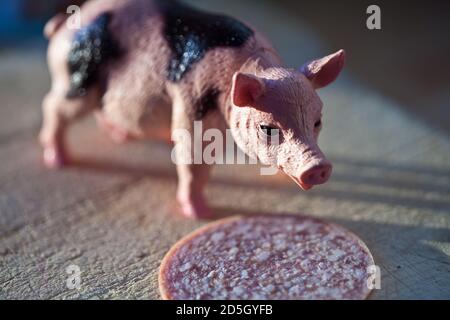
x=111, y=212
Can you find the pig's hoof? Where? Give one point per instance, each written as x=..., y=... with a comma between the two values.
x=53, y=158
x=195, y=208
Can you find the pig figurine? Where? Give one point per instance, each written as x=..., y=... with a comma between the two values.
x=147, y=68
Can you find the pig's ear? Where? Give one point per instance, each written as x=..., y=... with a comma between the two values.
x=246, y=89
x=322, y=72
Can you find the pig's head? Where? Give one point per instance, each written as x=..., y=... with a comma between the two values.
x=277, y=117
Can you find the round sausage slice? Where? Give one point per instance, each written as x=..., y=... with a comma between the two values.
x=267, y=257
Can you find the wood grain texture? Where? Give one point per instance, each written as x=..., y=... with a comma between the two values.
x=112, y=212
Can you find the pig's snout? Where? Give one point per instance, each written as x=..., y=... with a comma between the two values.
x=316, y=174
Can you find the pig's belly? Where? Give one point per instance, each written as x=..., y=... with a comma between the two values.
x=149, y=120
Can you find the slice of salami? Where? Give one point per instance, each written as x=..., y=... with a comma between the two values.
x=267, y=257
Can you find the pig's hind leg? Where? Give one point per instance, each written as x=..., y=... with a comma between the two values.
x=58, y=112
x=63, y=104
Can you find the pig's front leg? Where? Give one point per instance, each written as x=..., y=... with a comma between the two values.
x=191, y=183
x=192, y=178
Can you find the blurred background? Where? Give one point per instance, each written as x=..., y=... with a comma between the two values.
x=407, y=60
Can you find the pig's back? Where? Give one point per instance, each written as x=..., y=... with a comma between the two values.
x=165, y=45
x=162, y=41
x=171, y=40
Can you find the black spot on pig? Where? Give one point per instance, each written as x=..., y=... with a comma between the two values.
x=190, y=33
x=207, y=103
x=91, y=48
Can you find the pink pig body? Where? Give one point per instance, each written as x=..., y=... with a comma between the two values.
x=149, y=89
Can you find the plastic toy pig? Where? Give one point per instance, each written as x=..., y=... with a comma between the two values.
x=147, y=68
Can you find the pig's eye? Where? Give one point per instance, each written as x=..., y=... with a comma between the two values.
x=318, y=123
x=268, y=130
